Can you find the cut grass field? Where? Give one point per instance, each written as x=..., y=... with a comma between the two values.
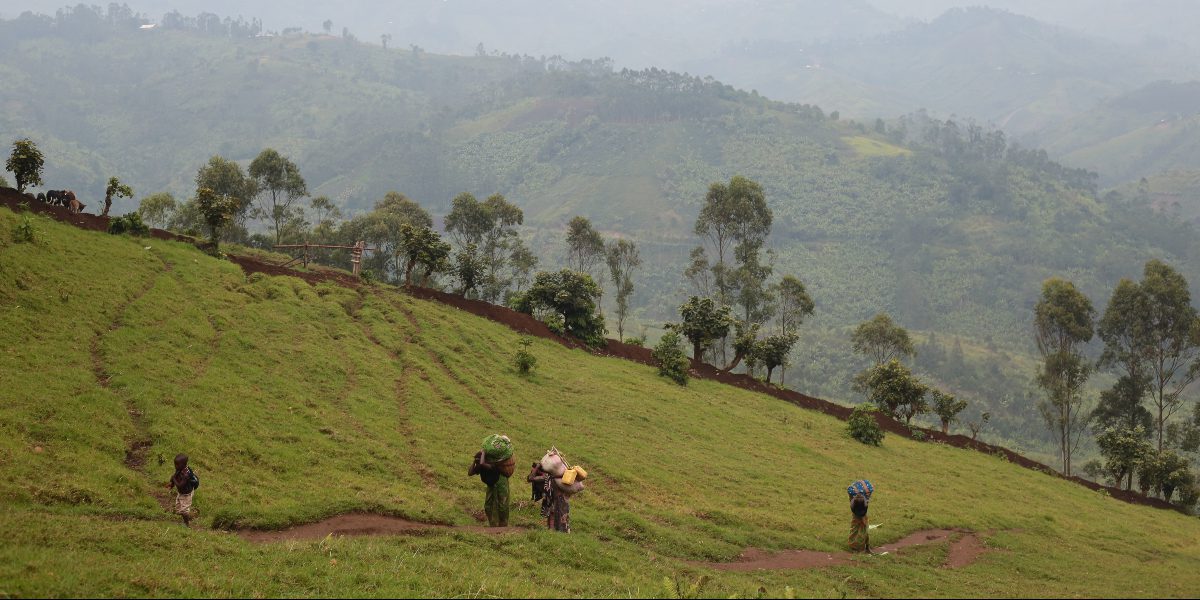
x=299, y=402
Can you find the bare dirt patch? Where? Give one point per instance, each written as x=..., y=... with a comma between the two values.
x=965, y=548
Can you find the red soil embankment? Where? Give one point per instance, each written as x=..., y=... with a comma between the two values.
x=528, y=325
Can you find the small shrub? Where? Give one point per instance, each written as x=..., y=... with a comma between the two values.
x=26, y=232
x=677, y=588
x=524, y=360
x=639, y=341
x=917, y=434
x=367, y=276
x=672, y=360
x=130, y=223
x=862, y=425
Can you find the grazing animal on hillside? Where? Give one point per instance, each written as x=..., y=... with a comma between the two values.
x=41, y=197
x=76, y=206
x=52, y=197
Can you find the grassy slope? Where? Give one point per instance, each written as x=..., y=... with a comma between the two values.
x=297, y=402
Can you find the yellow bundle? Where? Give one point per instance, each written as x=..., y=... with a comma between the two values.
x=570, y=475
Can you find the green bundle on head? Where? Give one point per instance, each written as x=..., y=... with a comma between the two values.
x=497, y=447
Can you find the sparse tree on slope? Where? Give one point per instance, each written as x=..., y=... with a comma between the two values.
x=1063, y=323
x=421, y=245
x=894, y=389
x=156, y=209
x=585, y=247
x=881, y=340
x=570, y=295
x=491, y=226
x=704, y=322
x=115, y=189
x=226, y=179
x=946, y=407
x=623, y=258
x=1151, y=330
x=470, y=267
x=794, y=305
x=25, y=163
x=733, y=214
x=1123, y=451
x=218, y=211
x=278, y=178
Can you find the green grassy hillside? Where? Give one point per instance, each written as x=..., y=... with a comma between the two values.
x=298, y=402
x=940, y=226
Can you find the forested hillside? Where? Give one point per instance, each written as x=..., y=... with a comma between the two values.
x=943, y=225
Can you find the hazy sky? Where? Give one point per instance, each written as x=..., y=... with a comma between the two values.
x=635, y=29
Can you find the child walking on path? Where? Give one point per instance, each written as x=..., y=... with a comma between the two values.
x=185, y=483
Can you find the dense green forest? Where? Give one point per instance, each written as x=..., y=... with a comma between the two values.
x=944, y=225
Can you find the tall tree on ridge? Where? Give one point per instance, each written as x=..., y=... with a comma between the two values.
x=622, y=257
x=1063, y=323
x=279, y=178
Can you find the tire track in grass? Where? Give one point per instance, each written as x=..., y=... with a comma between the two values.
x=441, y=364
x=138, y=448
x=214, y=345
x=428, y=477
x=407, y=431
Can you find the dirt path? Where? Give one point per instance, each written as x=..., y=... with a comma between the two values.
x=361, y=525
x=965, y=548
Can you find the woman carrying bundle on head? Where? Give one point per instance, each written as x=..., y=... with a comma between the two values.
x=860, y=497
x=562, y=482
x=495, y=464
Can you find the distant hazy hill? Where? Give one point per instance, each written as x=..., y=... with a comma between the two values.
x=998, y=67
x=1152, y=129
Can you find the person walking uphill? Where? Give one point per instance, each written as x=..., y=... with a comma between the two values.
x=860, y=533
x=560, y=484
x=185, y=483
x=494, y=464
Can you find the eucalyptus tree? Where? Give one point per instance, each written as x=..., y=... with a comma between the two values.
x=793, y=305
x=491, y=227
x=277, y=178
x=585, y=247
x=623, y=259
x=226, y=179
x=1064, y=321
x=156, y=209
x=1152, y=333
